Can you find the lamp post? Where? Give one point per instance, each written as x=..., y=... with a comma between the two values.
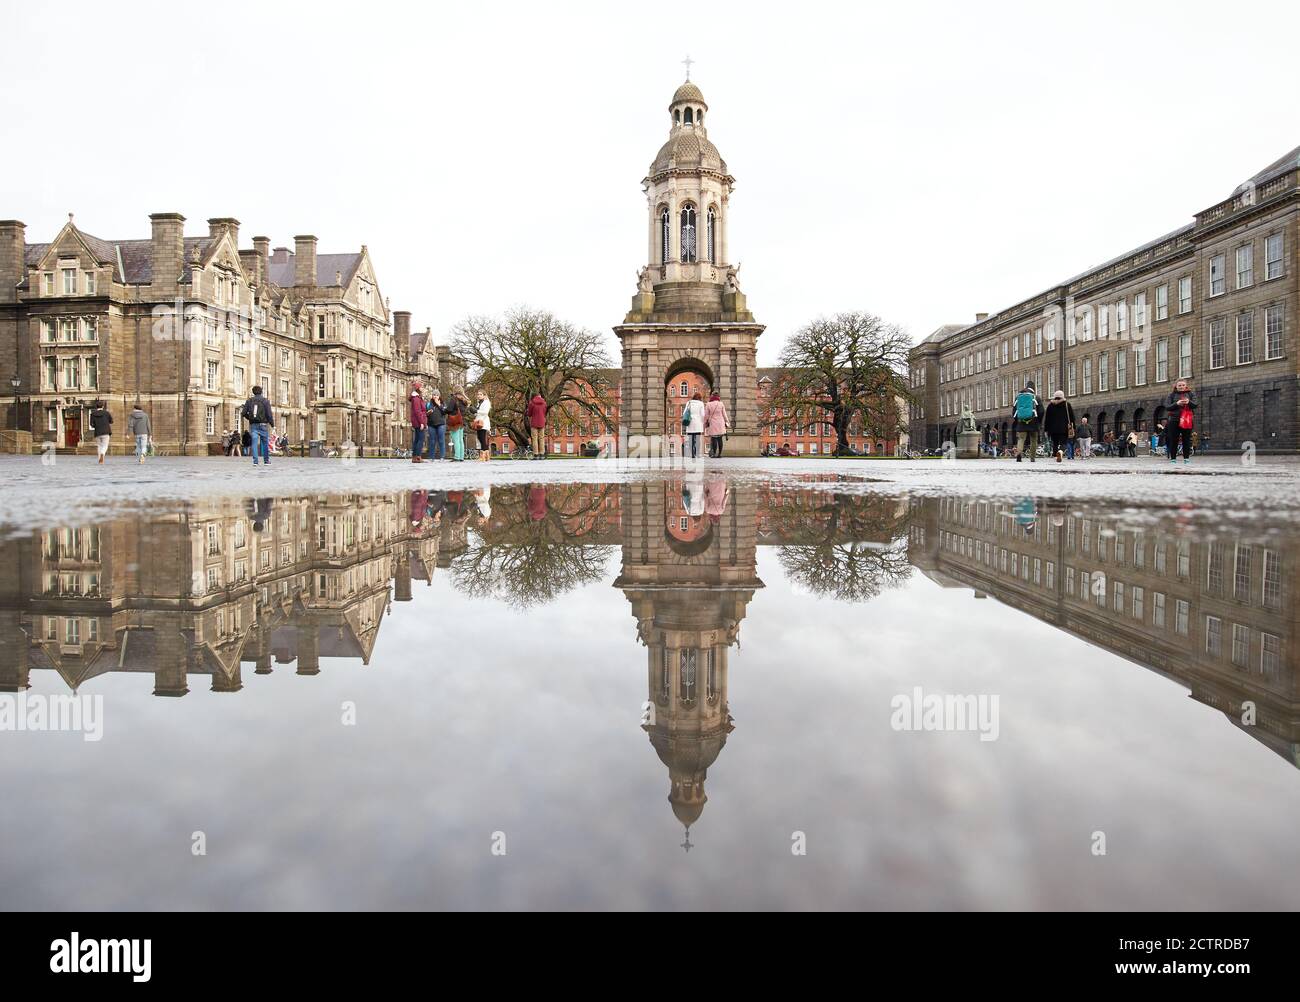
x=16, y=383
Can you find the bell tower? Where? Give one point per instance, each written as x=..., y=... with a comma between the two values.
x=688, y=313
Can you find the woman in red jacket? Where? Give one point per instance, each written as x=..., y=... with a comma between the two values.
x=537, y=425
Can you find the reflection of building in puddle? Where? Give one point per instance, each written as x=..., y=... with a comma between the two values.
x=689, y=588
x=205, y=589
x=1214, y=613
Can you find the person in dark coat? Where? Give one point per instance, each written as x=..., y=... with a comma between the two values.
x=1058, y=419
x=101, y=425
x=257, y=412
x=1178, y=430
x=436, y=419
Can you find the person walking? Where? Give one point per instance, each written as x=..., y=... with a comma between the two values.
x=1182, y=420
x=715, y=424
x=101, y=425
x=455, y=410
x=1131, y=441
x=1028, y=412
x=1085, y=439
x=436, y=422
x=483, y=426
x=536, y=414
x=693, y=424
x=257, y=412
x=1058, y=423
x=139, y=426
x=418, y=421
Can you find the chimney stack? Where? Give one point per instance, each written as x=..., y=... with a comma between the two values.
x=981, y=317
x=13, y=250
x=262, y=251
x=168, y=251
x=402, y=329
x=281, y=255
x=304, y=272
x=215, y=226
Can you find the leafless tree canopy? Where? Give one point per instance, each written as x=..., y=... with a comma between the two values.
x=844, y=546
x=539, y=547
x=844, y=367
x=531, y=351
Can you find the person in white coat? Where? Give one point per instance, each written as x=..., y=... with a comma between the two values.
x=483, y=425
x=693, y=425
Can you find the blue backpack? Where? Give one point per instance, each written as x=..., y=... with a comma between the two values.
x=1026, y=406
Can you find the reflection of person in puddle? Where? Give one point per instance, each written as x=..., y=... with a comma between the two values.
x=693, y=495
x=1027, y=515
x=715, y=497
x=259, y=510
x=536, y=502
x=483, y=498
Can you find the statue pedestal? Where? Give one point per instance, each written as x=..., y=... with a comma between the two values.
x=643, y=305
x=735, y=307
x=968, y=445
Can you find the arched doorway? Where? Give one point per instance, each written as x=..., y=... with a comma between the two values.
x=1099, y=432
x=1140, y=420
x=1121, y=424
x=1161, y=415
x=684, y=379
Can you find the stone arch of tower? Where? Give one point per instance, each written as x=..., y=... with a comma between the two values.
x=675, y=361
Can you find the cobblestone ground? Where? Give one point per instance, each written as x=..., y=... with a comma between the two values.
x=35, y=493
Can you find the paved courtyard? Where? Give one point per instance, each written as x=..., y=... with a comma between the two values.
x=76, y=486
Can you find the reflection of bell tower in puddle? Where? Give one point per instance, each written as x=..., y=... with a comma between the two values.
x=689, y=571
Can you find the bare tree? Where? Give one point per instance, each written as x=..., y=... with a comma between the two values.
x=531, y=351
x=847, y=368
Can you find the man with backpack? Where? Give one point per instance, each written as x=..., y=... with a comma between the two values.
x=1028, y=412
x=257, y=412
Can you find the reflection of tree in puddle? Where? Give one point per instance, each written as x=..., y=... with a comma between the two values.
x=841, y=546
x=539, y=542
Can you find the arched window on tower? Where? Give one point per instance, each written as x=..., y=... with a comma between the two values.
x=713, y=236
x=686, y=677
x=664, y=233
x=677, y=118
x=689, y=117
x=688, y=235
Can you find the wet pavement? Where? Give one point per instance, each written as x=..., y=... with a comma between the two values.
x=791, y=684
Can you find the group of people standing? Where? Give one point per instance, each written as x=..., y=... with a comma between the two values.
x=700, y=419
x=438, y=426
x=1070, y=438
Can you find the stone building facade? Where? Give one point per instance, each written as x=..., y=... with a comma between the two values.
x=188, y=325
x=1215, y=302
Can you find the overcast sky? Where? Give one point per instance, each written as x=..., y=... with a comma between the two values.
x=923, y=161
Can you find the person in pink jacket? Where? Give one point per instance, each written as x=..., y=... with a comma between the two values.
x=715, y=424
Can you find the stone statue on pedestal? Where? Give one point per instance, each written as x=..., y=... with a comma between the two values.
x=967, y=419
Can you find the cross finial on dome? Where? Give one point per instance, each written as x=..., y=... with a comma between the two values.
x=687, y=62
